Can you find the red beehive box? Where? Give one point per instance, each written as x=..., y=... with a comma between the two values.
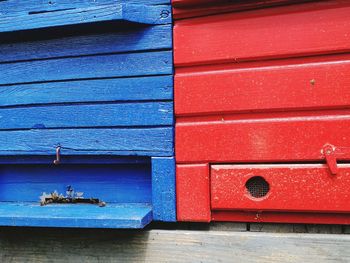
x=262, y=100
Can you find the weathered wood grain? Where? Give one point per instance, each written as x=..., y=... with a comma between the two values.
x=78, y=245
x=126, y=39
x=228, y=226
x=296, y=228
x=278, y=228
x=144, y=14
x=92, y=141
x=105, y=90
x=103, y=66
x=324, y=229
x=163, y=189
x=84, y=216
x=78, y=116
x=19, y=6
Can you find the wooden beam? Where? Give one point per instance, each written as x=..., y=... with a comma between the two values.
x=77, y=245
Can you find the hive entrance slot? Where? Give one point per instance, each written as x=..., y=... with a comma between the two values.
x=71, y=198
x=257, y=187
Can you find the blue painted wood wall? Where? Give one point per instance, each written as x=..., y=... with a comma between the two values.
x=94, y=77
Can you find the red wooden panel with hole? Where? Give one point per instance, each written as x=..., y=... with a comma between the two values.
x=193, y=8
x=255, y=139
x=263, y=86
x=273, y=86
x=296, y=30
x=299, y=187
x=192, y=193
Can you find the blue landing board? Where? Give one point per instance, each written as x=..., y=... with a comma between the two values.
x=86, y=216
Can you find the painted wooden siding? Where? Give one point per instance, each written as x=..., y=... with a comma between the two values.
x=248, y=36
x=258, y=89
x=293, y=85
x=298, y=187
x=94, y=78
x=196, y=8
x=13, y=7
x=83, y=13
x=90, y=92
x=157, y=88
x=98, y=40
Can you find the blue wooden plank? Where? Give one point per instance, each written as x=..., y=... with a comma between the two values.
x=131, y=39
x=119, y=89
x=121, y=65
x=157, y=141
x=163, y=189
x=113, y=183
x=110, y=216
x=79, y=116
x=19, y=6
x=144, y=14
x=84, y=159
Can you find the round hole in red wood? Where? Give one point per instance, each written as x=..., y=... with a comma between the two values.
x=257, y=187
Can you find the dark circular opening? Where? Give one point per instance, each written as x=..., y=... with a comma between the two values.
x=257, y=187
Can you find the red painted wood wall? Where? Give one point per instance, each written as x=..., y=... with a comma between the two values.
x=262, y=102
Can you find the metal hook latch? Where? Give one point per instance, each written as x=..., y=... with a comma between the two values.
x=329, y=152
x=333, y=153
x=58, y=155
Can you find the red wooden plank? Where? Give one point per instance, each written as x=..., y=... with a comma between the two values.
x=296, y=30
x=274, y=139
x=192, y=8
x=300, y=187
x=191, y=3
x=277, y=217
x=195, y=2
x=192, y=193
x=300, y=84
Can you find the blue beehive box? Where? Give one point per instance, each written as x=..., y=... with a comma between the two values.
x=87, y=85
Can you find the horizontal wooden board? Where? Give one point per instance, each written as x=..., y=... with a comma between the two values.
x=117, y=89
x=89, y=245
x=194, y=8
x=264, y=34
x=300, y=187
x=108, y=141
x=18, y=6
x=122, y=65
x=98, y=115
x=195, y=2
x=264, y=217
x=137, y=13
x=123, y=40
x=83, y=159
x=288, y=85
x=112, y=216
x=275, y=139
x=111, y=183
